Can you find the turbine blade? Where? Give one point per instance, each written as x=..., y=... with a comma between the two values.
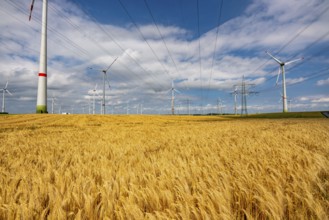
x=294, y=60
x=111, y=64
x=277, y=78
x=6, y=85
x=95, y=87
x=276, y=59
x=107, y=79
x=8, y=92
x=31, y=9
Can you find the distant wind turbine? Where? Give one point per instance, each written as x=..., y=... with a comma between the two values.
x=173, y=90
x=104, y=71
x=4, y=91
x=94, y=95
x=42, y=82
x=105, y=77
x=281, y=69
x=127, y=108
x=289, y=100
x=53, y=101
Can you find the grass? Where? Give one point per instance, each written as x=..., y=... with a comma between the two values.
x=163, y=167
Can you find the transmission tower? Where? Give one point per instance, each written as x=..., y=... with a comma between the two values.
x=188, y=105
x=244, y=109
x=244, y=90
x=219, y=106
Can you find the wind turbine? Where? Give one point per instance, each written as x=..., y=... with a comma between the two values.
x=104, y=71
x=105, y=77
x=281, y=69
x=53, y=101
x=94, y=94
x=42, y=81
x=127, y=108
x=141, y=108
x=173, y=90
x=4, y=91
x=100, y=109
x=289, y=103
x=84, y=106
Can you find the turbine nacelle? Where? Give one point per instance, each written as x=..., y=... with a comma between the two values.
x=95, y=89
x=173, y=88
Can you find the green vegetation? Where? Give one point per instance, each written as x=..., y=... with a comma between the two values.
x=287, y=115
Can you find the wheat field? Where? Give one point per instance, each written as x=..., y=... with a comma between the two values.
x=163, y=167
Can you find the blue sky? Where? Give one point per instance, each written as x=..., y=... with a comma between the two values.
x=203, y=51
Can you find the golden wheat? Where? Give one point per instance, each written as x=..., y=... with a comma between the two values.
x=162, y=167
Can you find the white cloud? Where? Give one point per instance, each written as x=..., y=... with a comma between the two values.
x=76, y=43
x=304, y=99
x=290, y=81
x=323, y=99
x=314, y=99
x=323, y=82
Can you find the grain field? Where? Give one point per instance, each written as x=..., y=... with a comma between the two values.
x=163, y=167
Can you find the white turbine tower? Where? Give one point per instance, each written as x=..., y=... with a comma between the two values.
x=42, y=81
x=4, y=91
x=281, y=69
x=173, y=90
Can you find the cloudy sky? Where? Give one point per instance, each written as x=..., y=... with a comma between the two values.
x=204, y=46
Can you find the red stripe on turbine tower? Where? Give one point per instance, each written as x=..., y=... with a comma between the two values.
x=43, y=74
